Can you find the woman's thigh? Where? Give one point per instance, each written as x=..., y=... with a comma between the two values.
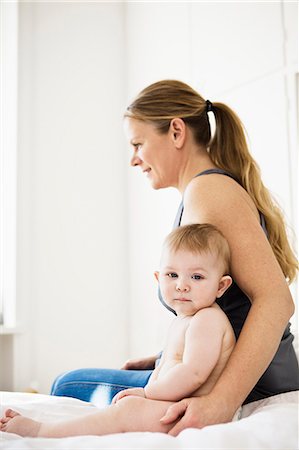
x=98, y=385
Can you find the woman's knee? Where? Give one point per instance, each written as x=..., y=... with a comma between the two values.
x=56, y=384
x=69, y=384
x=63, y=378
x=93, y=384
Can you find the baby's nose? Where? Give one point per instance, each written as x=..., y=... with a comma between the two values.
x=182, y=287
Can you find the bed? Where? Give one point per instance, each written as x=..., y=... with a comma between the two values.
x=266, y=424
x=271, y=423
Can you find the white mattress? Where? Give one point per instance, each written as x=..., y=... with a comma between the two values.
x=267, y=424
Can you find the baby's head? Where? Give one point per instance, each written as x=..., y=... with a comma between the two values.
x=200, y=239
x=194, y=268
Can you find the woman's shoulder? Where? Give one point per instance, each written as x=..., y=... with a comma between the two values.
x=216, y=183
x=216, y=194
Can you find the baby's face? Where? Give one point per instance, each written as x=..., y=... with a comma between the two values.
x=189, y=281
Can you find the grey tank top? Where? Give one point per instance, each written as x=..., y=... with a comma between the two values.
x=282, y=375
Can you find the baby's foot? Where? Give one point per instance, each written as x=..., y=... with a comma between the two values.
x=13, y=422
x=8, y=415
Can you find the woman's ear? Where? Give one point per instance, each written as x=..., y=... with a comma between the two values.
x=157, y=275
x=224, y=284
x=177, y=128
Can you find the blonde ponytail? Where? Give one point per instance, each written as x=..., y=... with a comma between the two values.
x=229, y=151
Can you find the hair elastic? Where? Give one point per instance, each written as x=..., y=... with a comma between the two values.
x=209, y=106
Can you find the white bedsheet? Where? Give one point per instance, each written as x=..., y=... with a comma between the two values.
x=267, y=424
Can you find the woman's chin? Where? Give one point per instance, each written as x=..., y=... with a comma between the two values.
x=157, y=184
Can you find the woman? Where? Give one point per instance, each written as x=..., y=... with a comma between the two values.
x=168, y=127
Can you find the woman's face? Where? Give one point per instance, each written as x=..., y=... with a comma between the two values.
x=153, y=153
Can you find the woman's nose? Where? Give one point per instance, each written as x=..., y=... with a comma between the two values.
x=135, y=161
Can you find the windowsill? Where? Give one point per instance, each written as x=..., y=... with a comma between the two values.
x=9, y=330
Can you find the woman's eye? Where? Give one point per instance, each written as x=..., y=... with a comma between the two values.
x=172, y=275
x=196, y=277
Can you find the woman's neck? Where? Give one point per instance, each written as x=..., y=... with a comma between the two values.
x=197, y=162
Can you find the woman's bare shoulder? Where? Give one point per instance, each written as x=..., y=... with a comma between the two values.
x=216, y=196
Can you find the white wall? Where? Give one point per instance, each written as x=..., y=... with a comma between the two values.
x=89, y=228
x=72, y=247
x=241, y=53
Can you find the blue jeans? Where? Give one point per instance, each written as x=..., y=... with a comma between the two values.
x=98, y=386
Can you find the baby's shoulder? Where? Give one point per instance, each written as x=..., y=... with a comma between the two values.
x=212, y=315
x=212, y=311
x=212, y=321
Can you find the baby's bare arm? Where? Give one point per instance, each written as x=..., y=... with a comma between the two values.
x=202, y=350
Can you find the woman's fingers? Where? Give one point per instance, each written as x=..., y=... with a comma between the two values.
x=174, y=412
x=126, y=366
x=196, y=412
x=180, y=426
x=137, y=364
x=131, y=364
x=140, y=364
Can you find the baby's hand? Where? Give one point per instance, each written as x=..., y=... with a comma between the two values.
x=133, y=391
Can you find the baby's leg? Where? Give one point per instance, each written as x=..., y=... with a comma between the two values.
x=142, y=414
x=13, y=422
x=129, y=414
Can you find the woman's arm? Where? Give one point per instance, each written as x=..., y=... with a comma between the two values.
x=147, y=363
x=219, y=200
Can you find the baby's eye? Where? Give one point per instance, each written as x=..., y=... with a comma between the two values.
x=196, y=276
x=172, y=275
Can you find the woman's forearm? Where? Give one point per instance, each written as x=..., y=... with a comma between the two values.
x=254, y=351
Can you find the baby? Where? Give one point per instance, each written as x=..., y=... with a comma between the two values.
x=193, y=274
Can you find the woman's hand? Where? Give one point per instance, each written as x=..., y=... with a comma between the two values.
x=196, y=412
x=126, y=392
x=140, y=363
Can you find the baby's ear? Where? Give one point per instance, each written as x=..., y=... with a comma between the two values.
x=157, y=274
x=224, y=284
